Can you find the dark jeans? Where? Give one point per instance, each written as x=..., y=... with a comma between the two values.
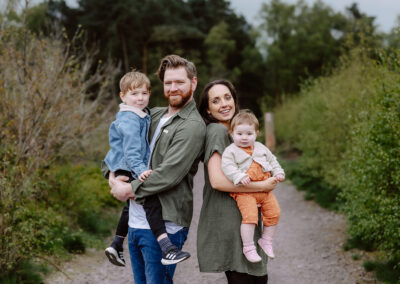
x=234, y=277
x=145, y=256
x=152, y=207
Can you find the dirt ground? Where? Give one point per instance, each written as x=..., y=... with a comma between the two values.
x=308, y=249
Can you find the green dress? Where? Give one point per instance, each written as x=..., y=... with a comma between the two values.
x=219, y=245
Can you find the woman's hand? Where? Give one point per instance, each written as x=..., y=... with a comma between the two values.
x=270, y=183
x=220, y=182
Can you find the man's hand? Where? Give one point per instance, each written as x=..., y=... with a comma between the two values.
x=245, y=181
x=120, y=188
x=280, y=177
x=145, y=175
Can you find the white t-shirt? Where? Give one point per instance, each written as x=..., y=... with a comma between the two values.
x=137, y=215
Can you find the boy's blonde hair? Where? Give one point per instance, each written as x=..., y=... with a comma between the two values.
x=245, y=116
x=133, y=80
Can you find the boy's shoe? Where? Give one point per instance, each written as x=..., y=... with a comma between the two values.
x=115, y=256
x=174, y=256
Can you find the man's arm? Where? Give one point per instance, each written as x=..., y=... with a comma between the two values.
x=184, y=149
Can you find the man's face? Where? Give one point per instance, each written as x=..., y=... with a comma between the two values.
x=178, y=88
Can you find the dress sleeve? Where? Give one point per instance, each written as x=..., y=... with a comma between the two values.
x=217, y=139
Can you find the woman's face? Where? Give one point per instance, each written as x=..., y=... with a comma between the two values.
x=221, y=104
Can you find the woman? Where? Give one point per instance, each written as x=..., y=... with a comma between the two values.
x=219, y=245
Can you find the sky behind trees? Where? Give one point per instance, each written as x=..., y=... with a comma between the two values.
x=385, y=11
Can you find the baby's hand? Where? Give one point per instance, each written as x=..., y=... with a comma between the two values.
x=280, y=177
x=145, y=175
x=245, y=181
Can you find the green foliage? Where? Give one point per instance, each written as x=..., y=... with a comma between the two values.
x=372, y=184
x=85, y=194
x=347, y=127
x=315, y=188
x=47, y=117
x=207, y=32
x=219, y=46
x=29, y=272
x=303, y=42
x=386, y=272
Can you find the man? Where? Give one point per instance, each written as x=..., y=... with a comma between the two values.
x=177, y=136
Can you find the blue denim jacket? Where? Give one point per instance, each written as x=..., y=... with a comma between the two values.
x=128, y=138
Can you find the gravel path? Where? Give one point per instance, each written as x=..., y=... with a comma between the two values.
x=308, y=249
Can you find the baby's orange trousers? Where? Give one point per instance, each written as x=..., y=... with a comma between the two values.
x=247, y=203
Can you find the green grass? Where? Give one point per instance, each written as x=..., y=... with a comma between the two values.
x=386, y=272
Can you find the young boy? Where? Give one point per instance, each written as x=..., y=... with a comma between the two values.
x=129, y=156
x=242, y=162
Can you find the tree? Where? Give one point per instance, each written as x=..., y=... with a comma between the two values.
x=219, y=46
x=139, y=33
x=300, y=42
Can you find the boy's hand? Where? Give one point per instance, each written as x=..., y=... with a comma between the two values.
x=280, y=177
x=145, y=175
x=245, y=181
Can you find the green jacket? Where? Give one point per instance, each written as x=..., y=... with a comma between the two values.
x=174, y=162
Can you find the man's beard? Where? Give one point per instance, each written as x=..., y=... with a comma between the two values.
x=178, y=99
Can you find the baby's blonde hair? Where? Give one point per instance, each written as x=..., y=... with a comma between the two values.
x=245, y=116
x=133, y=80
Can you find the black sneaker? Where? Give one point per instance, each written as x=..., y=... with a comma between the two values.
x=115, y=256
x=174, y=256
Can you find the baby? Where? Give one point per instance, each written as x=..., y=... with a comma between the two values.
x=244, y=161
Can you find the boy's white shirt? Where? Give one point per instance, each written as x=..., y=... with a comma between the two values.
x=137, y=215
x=235, y=161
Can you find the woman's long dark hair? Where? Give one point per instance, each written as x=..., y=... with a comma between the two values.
x=203, y=105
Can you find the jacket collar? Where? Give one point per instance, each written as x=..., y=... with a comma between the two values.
x=187, y=109
x=242, y=153
x=139, y=112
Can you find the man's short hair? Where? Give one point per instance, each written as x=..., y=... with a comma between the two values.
x=133, y=80
x=245, y=116
x=175, y=61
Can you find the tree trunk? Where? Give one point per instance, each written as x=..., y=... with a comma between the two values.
x=124, y=51
x=144, y=57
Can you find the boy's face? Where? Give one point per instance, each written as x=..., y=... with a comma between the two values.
x=244, y=135
x=138, y=97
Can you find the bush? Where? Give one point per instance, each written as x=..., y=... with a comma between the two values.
x=372, y=167
x=347, y=127
x=51, y=103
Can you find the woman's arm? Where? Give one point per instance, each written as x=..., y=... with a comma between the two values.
x=220, y=182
